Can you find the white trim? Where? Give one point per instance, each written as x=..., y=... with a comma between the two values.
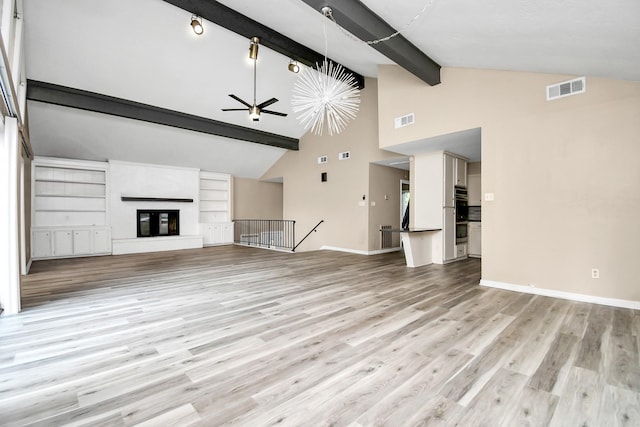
x=69, y=163
x=28, y=266
x=151, y=165
x=357, y=252
x=614, y=302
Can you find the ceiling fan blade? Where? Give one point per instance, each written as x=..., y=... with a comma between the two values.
x=240, y=100
x=234, y=109
x=275, y=113
x=267, y=103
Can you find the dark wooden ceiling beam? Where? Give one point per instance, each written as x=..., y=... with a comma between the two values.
x=238, y=23
x=363, y=23
x=91, y=101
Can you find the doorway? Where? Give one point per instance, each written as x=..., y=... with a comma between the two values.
x=405, y=195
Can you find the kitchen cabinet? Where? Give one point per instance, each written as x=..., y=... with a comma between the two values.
x=460, y=172
x=461, y=251
x=475, y=239
x=449, y=234
x=449, y=181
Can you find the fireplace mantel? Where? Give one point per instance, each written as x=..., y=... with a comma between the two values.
x=155, y=199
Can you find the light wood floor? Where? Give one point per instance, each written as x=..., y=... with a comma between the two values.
x=241, y=336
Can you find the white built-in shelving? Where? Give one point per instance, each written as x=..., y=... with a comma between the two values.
x=69, y=206
x=215, y=208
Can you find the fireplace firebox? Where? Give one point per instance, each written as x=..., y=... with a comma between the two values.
x=158, y=222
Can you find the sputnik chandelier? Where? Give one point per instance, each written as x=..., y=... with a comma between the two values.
x=327, y=94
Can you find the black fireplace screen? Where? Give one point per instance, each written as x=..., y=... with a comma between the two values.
x=158, y=222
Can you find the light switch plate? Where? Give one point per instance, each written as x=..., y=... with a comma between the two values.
x=488, y=197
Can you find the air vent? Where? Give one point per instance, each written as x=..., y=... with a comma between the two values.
x=344, y=155
x=570, y=87
x=403, y=121
x=322, y=159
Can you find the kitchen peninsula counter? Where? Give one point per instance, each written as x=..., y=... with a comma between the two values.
x=418, y=244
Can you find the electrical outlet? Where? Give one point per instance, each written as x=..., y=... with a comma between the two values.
x=595, y=273
x=488, y=197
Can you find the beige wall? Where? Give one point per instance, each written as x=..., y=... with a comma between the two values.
x=253, y=199
x=338, y=201
x=384, y=192
x=474, y=168
x=564, y=172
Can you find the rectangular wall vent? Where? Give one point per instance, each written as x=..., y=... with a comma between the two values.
x=322, y=159
x=385, y=239
x=570, y=87
x=403, y=121
x=344, y=155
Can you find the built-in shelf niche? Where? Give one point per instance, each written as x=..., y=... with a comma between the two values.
x=67, y=194
x=215, y=196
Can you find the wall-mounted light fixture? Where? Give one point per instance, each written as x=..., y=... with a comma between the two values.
x=196, y=24
x=253, y=48
x=293, y=66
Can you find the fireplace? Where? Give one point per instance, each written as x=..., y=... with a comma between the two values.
x=158, y=222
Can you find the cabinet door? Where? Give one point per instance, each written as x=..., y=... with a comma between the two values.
x=62, y=242
x=461, y=251
x=101, y=241
x=449, y=234
x=227, y=233
x=449, y=181
x=217, y=234
x=81, y=242
x=461, y=172
x=475, y=240
x=41, y=244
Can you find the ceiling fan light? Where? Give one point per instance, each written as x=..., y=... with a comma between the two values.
x=294, y=67
x=254, y=113
x=196, y=24
x=253, y=48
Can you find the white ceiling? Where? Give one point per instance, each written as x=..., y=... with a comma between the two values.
x=145, y=51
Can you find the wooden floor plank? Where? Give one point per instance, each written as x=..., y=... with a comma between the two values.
x=242, y=336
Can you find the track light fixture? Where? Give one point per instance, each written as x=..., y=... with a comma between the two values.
x=253, y=48
x=294, y=67
x=196, y=24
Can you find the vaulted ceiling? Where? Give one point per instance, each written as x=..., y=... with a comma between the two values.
x=145, y=51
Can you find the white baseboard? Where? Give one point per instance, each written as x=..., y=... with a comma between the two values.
x=357, y=252
x=614, y=302
x=28, y=266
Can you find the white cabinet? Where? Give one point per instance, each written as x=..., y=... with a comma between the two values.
x=449, y=234
x=461, y=251
x=62, y=243
x=41, y=244
x=475, y=239
x=82, y=242
x=66, y=242
x=461, y=172
x=449, y=181
x=101, y=241
x=217, y=233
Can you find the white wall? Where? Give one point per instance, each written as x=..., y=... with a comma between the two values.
x=144, y=180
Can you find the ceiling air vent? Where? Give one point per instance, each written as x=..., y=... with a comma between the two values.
x=403, y=121
x=344, y=155
x=570, y=87
x=322, y=159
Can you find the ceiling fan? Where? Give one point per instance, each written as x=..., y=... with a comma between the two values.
x=255, y=109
